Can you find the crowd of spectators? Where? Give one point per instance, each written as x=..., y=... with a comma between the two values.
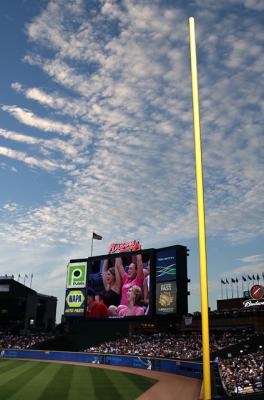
x=240, y=375
x=11, y=341
x=156, y=345
x=219, y=314
x=243, y=374
x=169, y=345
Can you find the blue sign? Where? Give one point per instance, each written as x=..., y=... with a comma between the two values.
x=74, y=302
x=166, y=265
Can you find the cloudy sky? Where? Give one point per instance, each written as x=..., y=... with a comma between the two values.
x=96, y=134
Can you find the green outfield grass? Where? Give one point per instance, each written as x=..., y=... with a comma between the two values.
x=33, y=380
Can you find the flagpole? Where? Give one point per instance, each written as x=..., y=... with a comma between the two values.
x=201, y=216
x=222, y=290
x=92, y=246
x=237, y=287
x=31, y=277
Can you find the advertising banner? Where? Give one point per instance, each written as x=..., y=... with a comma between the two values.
x=74, y=302
x=76, y=275
x=257, y=292
x=133, y=245
x=187, y=368
x=166, y=297
x=166, y=265
x=257, y=297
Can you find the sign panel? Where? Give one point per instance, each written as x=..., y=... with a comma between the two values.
x=257, y=292
x=133, y=245
x=74, y=302
x=76, y=276
x=166, y=265
x=257, y=297
x=166, y=297
x=253, y=303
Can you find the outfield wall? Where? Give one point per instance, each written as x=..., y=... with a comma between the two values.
x=186, y=368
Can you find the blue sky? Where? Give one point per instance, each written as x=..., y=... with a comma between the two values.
x=96, y=134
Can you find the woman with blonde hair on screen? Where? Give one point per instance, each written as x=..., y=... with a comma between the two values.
x=133, y=307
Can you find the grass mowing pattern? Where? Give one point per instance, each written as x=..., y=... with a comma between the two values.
x=33, y=380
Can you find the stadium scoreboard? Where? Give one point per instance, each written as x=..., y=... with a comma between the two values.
x=165, y=270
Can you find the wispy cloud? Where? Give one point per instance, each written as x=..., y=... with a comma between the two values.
x=77, y=108
x=32, y=161
x=48, y=144
x=11, y=206
x=253, y=259
x=251, y=264
x=29, y=118
x=127, y=70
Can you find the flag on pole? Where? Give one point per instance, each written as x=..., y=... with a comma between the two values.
x=233, y=280
x=244, y=279
x=249, y=277
x=253, y=276
x=236, y=280
x=227, y=281
x=223, y=282
x=97, y=237
x=31, y=277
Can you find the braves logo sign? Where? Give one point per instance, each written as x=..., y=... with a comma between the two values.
x=133, y=245
x=257, y=297
x=257, y=292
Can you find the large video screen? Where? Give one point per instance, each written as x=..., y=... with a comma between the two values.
x=119, y=286
x=116, y=286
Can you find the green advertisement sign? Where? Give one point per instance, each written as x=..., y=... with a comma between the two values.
x=76, y=276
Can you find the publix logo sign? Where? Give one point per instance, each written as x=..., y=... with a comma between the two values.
x=76, y=276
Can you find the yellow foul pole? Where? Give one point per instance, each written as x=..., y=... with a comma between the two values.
x=201, y=217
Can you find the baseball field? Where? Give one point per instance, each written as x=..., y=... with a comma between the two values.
x=33, y=380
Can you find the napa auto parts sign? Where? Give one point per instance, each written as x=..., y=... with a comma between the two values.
x=133, y=245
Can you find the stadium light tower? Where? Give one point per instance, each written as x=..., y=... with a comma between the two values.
x=201, y=216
